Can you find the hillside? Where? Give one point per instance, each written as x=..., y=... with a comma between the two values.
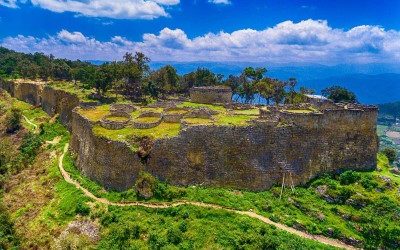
x=42, y=210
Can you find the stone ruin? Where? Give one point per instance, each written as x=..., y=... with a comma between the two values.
x=302, y=140
x=211, y=94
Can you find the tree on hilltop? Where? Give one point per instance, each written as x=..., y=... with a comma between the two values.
x=339, y=94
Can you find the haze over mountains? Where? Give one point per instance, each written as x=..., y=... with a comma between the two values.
x=372, y=83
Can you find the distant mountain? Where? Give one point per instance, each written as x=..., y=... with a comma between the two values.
x=371, y=89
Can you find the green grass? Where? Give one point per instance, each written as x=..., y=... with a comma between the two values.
x=190, y=228
x=304, y=208
x=117, y=118
x=254, y=112
x=147, y=119
x=81, y=93
x=164, y=130
x=218, y=108
x=95, y=114
x=198, y=121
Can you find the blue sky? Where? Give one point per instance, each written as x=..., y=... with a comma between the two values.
x=305, y=31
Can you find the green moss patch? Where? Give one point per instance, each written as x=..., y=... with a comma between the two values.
x=95, y=114
x=117, y=118
x=161, y=131
x=147, y=119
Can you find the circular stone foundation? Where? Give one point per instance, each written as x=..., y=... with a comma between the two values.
x=122, y=107
x=116, y=121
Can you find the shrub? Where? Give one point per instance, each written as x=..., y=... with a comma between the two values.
x=174, y=236
x=156, y=241
x=349, y=177
x=145, y=185
x=164, y=191
x=13, y=121
x=368, y=182
x=82, y=209
x=7, y=234
x=390, y=153
x=30, y=146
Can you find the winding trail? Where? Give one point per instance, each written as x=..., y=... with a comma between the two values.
x=30, y=122
x=161, y=205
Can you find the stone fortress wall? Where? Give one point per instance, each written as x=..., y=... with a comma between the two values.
x=254, y=157
x=209, y=95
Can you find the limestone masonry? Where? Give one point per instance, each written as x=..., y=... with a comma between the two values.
x=301, y=142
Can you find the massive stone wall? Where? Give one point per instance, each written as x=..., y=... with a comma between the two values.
x=110, y=163
x=250, y=157
x=210, y=95
x=60, y=102
x=53, y=101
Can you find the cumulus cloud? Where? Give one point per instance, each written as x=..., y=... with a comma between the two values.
x=9, y=3
x=308, y=41
x=117, y=9
x=220, y=1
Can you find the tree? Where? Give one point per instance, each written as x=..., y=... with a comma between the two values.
x=291, y=95
x=13, y=121
x=254, y=74
x=134, y=70
x=278, y=91
x=306, y=91
x=265, y=88
x=234, y=82
x=391, y=154
x=164, y=81
x=339, y=94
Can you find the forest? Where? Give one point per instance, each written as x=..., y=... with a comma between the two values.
x=133, y=78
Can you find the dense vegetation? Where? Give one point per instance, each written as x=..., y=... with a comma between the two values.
x=132, y=78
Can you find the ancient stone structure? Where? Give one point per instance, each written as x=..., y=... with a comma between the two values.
x=214, y=94
x=108, y=123
x=253, y=157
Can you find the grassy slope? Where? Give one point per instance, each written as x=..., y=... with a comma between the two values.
x=361, y=206
x=41, y=204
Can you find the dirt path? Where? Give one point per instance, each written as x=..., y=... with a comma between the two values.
x=158, y=205
x=30, y=123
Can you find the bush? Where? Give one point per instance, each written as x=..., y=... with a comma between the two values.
x=13, y=121
x=164, y=191
x=82, y=209
x=349, y=177
x=7, y=234
x=30, y=146
x=391, y=154
x=145, y=185
x=174, y=236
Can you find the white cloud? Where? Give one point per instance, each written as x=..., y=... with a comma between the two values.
x=118, y=9
x=312, y=41
x=9, y=3
x=73, y=37
x=220, y=1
